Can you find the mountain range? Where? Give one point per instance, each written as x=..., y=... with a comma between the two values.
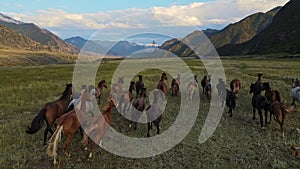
x=43, y=39
x=235, y=33
x=276, y=31
x=281, y=36
x=110, y=48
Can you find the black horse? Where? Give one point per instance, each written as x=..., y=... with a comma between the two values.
x=259, y=102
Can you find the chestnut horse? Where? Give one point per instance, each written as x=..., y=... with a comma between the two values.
x=161, y=84
x=68, y=124
x=50, y=112
x=235, y=85
x=99, y=90
x=175, y=85
x=279, y=110
x=99, y=125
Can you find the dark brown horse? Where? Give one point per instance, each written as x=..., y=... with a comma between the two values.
x=68, y=124
x=99, y=90
x=99, y=125
x=50, y=112
x=206, y=86
x=175, y=85
x=259, y=102
x=235, y=85
x=139, y=107
x=230, y=101
x=278, y=109
x=154, y=113
x=161, y=84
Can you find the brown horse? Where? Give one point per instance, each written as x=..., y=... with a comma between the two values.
x=50, y=112
x=139, y=105
x=161, y=84
x=175, y=85
x=99, y=125
x=126, y=98
x=235, y=85
x=279, y=110
x=69, y=125
x=99, y=90
x=154, y=113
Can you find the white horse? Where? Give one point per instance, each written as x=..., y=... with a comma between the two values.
x=89, y=103
x=295, y=95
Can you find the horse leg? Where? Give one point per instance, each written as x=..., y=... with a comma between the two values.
x=157, y=127
x=230, y=112
x=293, y=103
x=266, y=117
x=93, y=144
x=68, y=141
x=45, y=133
x=149, y=128
x=253, y=114
x=135, y=126
x=260, y=117
x=81, y=131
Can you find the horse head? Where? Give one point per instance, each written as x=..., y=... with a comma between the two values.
x=102, y=84
x=252, y=88
x=266, y=86
x=164, y=76
x=132, y=86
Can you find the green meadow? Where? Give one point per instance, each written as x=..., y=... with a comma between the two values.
x=238, y=142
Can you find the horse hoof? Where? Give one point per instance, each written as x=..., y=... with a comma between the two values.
x=90, y=156
x=68, y=155
x=148, y=135
x=230, y=116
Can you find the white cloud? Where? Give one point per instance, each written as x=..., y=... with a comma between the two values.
x=204, y=14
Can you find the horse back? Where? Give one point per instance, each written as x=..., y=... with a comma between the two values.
x=65, y=117
x=259, y=101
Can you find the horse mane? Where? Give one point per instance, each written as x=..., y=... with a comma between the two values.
x=66, y=92
x=101, y=82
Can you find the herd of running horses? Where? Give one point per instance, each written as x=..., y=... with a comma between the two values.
x=70, y=111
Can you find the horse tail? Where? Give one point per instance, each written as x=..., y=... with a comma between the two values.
x=37, y=122
x=289, y=109
x=54, y=142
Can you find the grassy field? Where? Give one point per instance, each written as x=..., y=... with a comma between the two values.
x=238, y=142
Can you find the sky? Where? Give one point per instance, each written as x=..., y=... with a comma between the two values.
x=119, y=19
